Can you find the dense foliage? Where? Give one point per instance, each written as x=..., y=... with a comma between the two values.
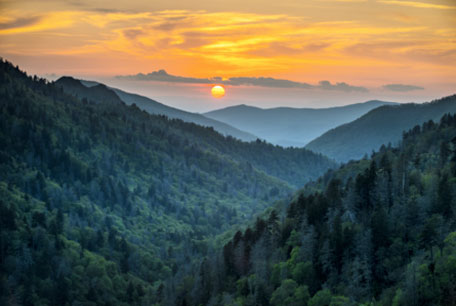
x=380, y=126
x=101, y=202
x=293, y=165
x=375, y=232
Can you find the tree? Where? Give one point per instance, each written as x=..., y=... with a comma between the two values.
x=130, y=292
x=444, y=200
x=429, y=236
x=61, y=291
x=59, y=221
x=7, y=217
x=303, y=273
x=321, y=298
x=125, y=251
x=289, y=294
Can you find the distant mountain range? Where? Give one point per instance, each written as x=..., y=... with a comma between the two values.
x=100, y=91
x=341, y=133
x=287, y=126
x=382, y=125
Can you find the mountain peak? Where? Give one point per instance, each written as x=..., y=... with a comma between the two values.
x=68, y=80
x=98, y=93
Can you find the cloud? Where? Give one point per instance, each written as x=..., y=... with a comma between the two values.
x=19, y=23
x=132, y=33
x=418, y=51
x=419, y=4
x=234, y=44
x=266, y=82
x=401, y=87
x=163, y=76
x=326, y=85
x=106, y=10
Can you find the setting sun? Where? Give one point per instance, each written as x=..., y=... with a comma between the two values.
x=218, y=91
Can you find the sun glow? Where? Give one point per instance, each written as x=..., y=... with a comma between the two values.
x=366, y=43
x=218, y=91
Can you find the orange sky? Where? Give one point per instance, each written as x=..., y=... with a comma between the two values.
x=366, y=43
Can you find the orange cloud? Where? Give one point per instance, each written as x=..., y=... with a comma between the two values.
x=227, y=43
x=26, y=24
x=419, y=4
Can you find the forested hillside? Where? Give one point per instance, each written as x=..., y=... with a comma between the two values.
x=382, y=125
x=379, y=231
x=293, y=165
x=101, y=202
x=79, y=87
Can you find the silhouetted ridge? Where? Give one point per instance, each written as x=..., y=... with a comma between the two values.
x=98, y=93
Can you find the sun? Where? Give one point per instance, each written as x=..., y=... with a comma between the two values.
x=218, y=91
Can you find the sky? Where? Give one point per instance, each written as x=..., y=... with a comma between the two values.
x=306, y=53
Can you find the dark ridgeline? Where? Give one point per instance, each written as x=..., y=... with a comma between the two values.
x=102, y=203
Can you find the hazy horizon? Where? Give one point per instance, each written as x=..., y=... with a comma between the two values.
x=196, y=97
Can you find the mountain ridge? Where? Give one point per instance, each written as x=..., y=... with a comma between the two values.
x=246, y=106
x=288, y=126
x=380, y=126
x=155, y=107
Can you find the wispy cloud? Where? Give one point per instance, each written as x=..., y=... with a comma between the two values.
x=296, y=47
x=419, y=4
x=163, y=76
x=19, y=22
x=266, y=82
x=326, y=85
x=401, y=87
